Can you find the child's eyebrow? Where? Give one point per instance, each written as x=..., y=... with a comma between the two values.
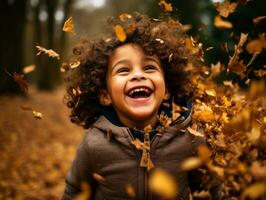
x=152, y=58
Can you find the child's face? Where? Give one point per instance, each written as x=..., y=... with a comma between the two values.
x=135, y=86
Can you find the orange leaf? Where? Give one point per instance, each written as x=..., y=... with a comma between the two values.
x=69, y=26
x=163, y=184
x=120, y=33
x=49, y=52
x=28, y=69
x=220, y=23
x=123, y=17
x=167, y=7
x=258, y=19
x=226, y=8
x=130, y=191
x=257, y=45
x=20, y=81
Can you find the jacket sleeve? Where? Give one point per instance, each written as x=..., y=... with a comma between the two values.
x=80, y=172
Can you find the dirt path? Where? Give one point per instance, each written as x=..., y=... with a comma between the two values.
x=35, y=154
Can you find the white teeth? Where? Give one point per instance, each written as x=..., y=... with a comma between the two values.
x=138, y=90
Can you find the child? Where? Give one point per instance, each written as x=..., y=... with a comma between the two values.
x=117, y=89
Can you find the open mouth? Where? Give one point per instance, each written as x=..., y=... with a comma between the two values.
x=139, y=92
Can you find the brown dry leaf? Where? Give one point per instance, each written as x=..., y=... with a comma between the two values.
x=69, y=26
x=37, y=115
x=86, y=192
x=130, y=191
x=120, y=33
x=191, y=163
x=254, y=191
x=211, y=92
x=226, y=8
x=26, y=107
x=49, y=52
x=123, y=17
x=204, y=153
x=258, y=19
x=138, y=144
x=74, y=64
x=216, y=69
x=176, y=110
x=260, y=72
x=163, y=184
x=23, y=84
x=98, y=177
x=220, y=23
x=254, y=134
x=28, y=69
x=194, y=132
x=167, y=7
x=257, y=45
x=239, y=68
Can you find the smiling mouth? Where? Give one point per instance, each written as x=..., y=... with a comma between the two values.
x=139, y=92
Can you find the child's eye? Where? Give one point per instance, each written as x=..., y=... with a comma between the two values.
x=150, y=68
x=122, y=70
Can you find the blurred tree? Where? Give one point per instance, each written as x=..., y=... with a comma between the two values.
x=12, y=20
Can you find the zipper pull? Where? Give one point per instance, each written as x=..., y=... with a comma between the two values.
x=146, y=158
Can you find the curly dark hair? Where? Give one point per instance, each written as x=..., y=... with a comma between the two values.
x=86, y=70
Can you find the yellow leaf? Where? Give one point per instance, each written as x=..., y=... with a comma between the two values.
x=69, y=26
x=226, y=8
x=49, y=52
x=123, y=17
x=220, y=23
x=191, y=163
x=204, y=153
x=163, y=184
x=37, y=115
x=254, y=134
x=28, y=69
x=257, y=45
x=194, y=132
x=130, y=191
x=167, y=7
x=254, y=191
x=120, y=33
x=98, y=177
x=86, y=192
x=258, y=19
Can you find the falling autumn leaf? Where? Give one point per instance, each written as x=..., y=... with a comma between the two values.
x=194, y=132
x=191, y=163
x=220, y=23
x=49, y=52
x=257, y=20
x=130, y=191
x=85, y=192
x=20, y=81
x=98, y=177
x=225, y=8
x=120, y=33
x=167, y=7
x=28, y=69
x=123, y=17
x=37, y=115
x=163, y=184
x=69, y=26
x=257, y=45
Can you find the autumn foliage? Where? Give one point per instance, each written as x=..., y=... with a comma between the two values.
x=232, y=118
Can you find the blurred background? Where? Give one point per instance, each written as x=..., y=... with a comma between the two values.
x=27, y=23
x=37, y=141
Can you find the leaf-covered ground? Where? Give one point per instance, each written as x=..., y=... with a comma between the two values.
x=35, y=153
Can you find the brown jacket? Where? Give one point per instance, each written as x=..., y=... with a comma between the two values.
x=118, y=161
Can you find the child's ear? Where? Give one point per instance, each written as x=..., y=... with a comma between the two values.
x=166, y=95
x=105, y=98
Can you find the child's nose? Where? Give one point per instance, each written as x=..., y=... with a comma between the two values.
x=137, y=76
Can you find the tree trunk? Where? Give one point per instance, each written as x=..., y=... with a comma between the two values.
x=12, y=20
